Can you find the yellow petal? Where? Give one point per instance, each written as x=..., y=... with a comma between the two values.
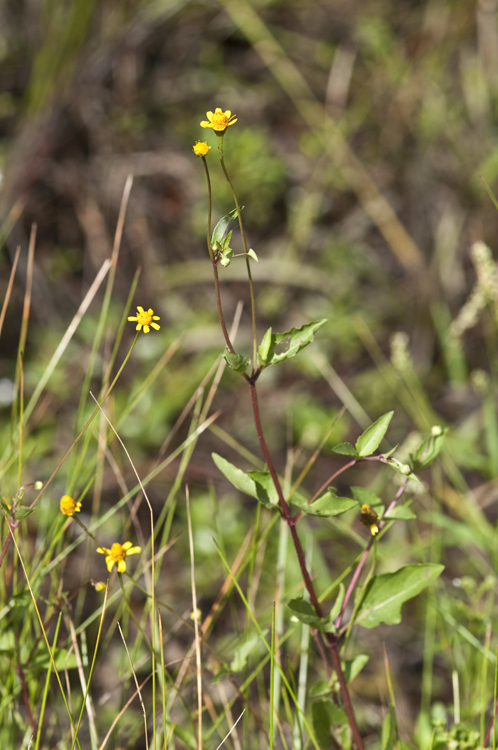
x=121, y=566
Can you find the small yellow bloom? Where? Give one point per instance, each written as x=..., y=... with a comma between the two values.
x=117, y=554
x=68, y=506
x=219, y=120
x=201, y=148
x=369, y=517
x=145, y=318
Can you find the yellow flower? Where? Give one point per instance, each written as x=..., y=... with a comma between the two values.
x=201, y=148
x=144, y=319
x=117, y=554
x=68, y=506
x=370, y=518
x=219, y=120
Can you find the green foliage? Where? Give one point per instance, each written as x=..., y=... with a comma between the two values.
x=385, y=594
x=282, y=346
x=326, y=505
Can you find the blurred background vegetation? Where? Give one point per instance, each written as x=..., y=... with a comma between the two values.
x=365, y=131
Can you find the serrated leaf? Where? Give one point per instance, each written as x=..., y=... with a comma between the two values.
x=22, y=511
x=385, y=594
x=325, y=506
x=427, y=452
x=400, y=513
x=253, y=255
x=345, y=449
x=222, y=226
x=295, y=340
x=370, y=440
x=264, y=348
x=236, y=362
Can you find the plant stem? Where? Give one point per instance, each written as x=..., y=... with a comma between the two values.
x=284, y=508
x=220, y=311
x=246, y=255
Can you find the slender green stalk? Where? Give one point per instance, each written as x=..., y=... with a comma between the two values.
x=272, y=673
x=99, y=632
x=45, y=638
x=88, y=423
x=47, y=685
x=246, y=255
x=210, y=208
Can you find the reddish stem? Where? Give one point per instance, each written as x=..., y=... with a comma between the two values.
x=284, y=508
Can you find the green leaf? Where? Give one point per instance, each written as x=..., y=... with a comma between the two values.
x=266, y=492
x=295, y=340
x=240, y=480
x=352, y=667
x=222, y=226
x=400, y=513
x=367, y=497
x=429, y=449
x=385, y=594
x=236, y=362
x=325, y=506
x=338, y=603
x=253, y=255
x=345, y=449
x=243, y=652
x=257, y=484
x=23, y=512
x=305, y=613
x=325, y=714
x=389, y=730
x=320, y=690
x=372, y=437
x=264, y=349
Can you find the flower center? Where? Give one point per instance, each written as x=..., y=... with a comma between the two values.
x=144, y=317
x=219, y=121
x=117, y=552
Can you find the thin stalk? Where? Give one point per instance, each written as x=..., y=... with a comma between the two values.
x=88, y=423
x=210, y=208
x=272, y=673
x=47, y=685
x=246, y=255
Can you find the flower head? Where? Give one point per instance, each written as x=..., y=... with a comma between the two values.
x=370, y=518
x=201, y=148
x=69, y=506
x=117, y=554
x=219, y=120
x=145, y=318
